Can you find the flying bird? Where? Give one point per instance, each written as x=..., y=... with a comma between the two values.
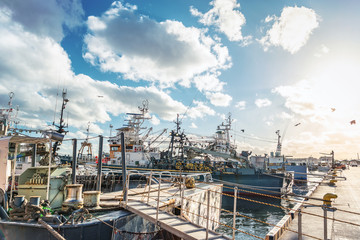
x=100, y=96
x=333, y=109
x=352, y=122
x=297, y=124
x=243, y=130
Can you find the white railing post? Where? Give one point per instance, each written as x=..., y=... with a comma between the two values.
x=158, y=202
x=150, y=179
x=182, y=192
x=234, y=214
x=208, y=214
x=299, y=226
x=127, y=189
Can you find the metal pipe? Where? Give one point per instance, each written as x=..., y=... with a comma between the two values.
x=208, y=214
x=13, y=174
x=299, y=226
x=182, y=193
x=158, y=204
x=234, y=214
x=123, y=166
x=99, y=175
x=127, y=186
x=49, y=172
x=150, y=178
x=33, y=159
x=325, y=222
x=74, y=162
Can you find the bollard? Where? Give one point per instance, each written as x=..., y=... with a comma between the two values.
x=327, y=198
x=299, y=226
x=234, y=215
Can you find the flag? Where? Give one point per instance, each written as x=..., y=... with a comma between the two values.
x=353, y=122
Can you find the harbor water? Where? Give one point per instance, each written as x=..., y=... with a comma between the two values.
x=256, y=219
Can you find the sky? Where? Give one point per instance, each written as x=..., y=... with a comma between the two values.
x=283, y=65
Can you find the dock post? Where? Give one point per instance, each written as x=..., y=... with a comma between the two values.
x=150, y=178
x=33, y=159
x=74, y=162
x=234, y=214
x=158, y=203
x=208, y=214
x=123, y=166
x=299, y=226
x=98, y=187
x=325, y=222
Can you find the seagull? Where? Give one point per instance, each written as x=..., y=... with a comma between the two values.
x=100, y=96
x=297, y=124
x=333, y=109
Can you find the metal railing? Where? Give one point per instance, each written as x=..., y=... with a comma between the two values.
x=160, y=178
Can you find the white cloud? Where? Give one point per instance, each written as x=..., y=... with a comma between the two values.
x=139, y=48
x=46, y=18
x=219, y=99
x=193, y=125
x=42, y=67
x=262, y=102
x=200, y=110
x=291, y=30
x=225, y=17
x=240, y=105
x=154, y=120
x=322, y=51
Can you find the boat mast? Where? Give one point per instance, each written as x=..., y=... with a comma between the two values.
x=176, y=146
x=61, y=125
x=278, y=148
x=5, y=115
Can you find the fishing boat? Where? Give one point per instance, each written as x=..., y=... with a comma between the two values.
x=223, y=161
x=137, y=154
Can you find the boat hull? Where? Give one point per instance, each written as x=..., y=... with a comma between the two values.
x=94, y=229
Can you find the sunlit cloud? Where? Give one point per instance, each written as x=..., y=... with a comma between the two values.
x=322, y=51
x=240, y=105
x=291, y=30
x=226, y=18
x=140, y=48
x=262, y=102
x=219, y=99
x=43, y=69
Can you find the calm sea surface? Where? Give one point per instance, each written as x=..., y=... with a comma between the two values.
x=262, y=212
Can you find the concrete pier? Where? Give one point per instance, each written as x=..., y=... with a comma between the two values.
x=348, y=198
